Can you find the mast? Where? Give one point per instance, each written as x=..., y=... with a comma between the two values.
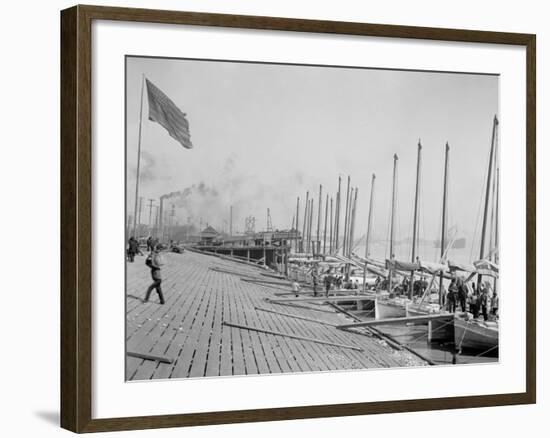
x=325, y=228
x=231, y=220
x=330, y=237
x=496, y=225
x=319, y=218
x=337, y=217
x=369, y=223
x=444, y=219
x=309, y=246
x=369, y=228
x=392, y=221
x=138, y=153
x=487, y=195
x=415, y=220
x=352, y=227
x=305, y=223
x=346, y=219
x=297, y=222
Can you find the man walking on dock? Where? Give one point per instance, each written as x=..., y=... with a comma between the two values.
x=154, y=262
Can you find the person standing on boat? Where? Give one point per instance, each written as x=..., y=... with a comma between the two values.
x=474, y=302
x=484, y=301
x=452, y=296
x=315, y=280
x=328, y=283
x=462, y=294
x=494, y=304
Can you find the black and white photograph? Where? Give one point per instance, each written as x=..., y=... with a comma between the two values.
x=292, y=218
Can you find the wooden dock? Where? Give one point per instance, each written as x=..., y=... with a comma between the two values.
x=201, y=330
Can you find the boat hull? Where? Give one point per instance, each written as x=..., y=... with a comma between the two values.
x=470, y=335
x=385, y=309
x=438, y=331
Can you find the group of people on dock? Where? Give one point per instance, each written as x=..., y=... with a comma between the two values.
x=477, y=299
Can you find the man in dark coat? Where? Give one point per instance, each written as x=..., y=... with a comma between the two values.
x=328, y=283
x=462, y=294
x=133, y=249
x=154, y=262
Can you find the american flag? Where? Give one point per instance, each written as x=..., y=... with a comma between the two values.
x=163, y=111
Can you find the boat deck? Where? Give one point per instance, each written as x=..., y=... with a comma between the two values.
x=204, y=292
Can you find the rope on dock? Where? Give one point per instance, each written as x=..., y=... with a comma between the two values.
x=288, y=335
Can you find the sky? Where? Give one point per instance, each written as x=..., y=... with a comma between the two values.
x=265, y=134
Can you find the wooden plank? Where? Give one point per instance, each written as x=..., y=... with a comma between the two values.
x=164, y=333
x=237, y=353
x=214, y=349
x=246, y=313
x=226, y=359
x=299, y=306
x=247, y=345
x=198, y=366
x=182, y=325
x=269, y=344
x=284, y=350
x=303, y=318
x=408, y=319
x=147, y=356
x=317, y=352
x=288, y=335
x=321, y=299
x=193, y=327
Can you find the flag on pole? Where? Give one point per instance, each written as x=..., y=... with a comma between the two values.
x=163, y=111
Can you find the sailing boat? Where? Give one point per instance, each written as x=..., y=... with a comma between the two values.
x=386, y=305
x=471, y=333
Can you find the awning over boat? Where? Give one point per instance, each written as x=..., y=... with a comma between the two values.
x=374, y=262
x=466, y=267
x=378, y=271
x=487, y=267
x=402, y=266
x=432, y=267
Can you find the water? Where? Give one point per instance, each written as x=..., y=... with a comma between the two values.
x=416, y=337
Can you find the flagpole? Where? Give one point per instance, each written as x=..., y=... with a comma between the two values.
x=138, y=154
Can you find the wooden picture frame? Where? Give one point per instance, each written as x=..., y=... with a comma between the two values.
x=76, y=217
